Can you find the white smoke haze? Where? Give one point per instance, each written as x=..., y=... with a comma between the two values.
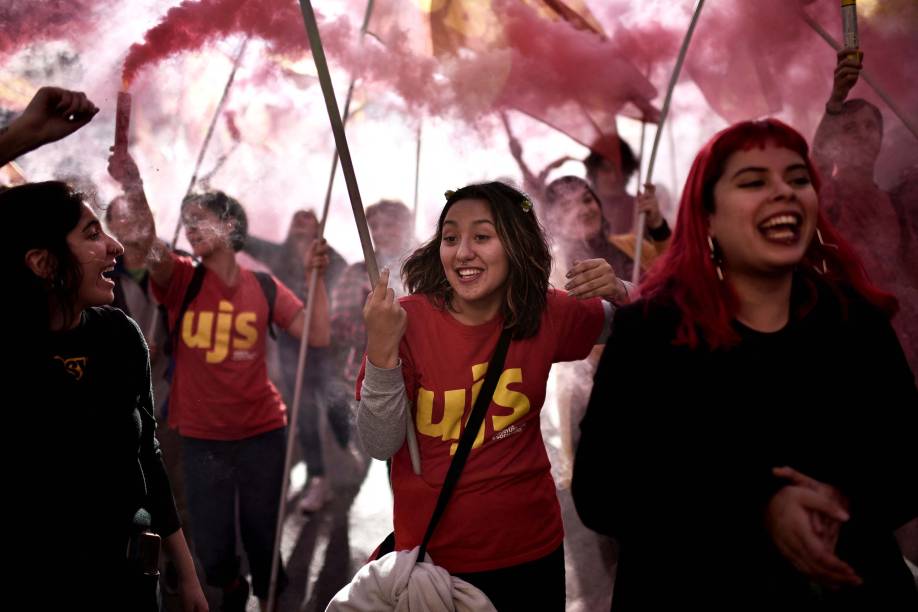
x=279, y=161
x=282, y=159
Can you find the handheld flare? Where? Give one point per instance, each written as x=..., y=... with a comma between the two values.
x=849, y=24
x=122, y=120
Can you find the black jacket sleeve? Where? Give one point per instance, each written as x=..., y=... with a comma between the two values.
x=609, y=467
x=884, y=476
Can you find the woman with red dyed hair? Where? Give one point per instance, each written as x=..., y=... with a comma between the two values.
x=763, y=461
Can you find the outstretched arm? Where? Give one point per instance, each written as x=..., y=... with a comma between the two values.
x=122, y=168
x=847, y=71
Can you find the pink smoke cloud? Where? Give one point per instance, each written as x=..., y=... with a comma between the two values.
x=26, y=23
x=191, y=25
x=540, y=64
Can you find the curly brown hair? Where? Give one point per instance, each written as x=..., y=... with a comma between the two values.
x=523, y=240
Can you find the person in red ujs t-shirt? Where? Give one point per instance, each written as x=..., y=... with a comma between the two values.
x=231, y=418
x=486, y=268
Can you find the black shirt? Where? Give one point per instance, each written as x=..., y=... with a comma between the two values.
x=93, y=459
x=678, y=445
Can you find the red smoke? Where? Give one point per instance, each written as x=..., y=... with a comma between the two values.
x=748, y=58
x=26, y=23
x=752, y=59
x=571, y=79
x=890, y=44
x=191, y=25
x=541, y=67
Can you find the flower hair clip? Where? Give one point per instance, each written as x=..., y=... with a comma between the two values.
x=449, y=193
x=526, y=205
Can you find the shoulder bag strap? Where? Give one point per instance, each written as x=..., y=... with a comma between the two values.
x=469, y=433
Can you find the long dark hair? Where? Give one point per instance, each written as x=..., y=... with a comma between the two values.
x=523, y=240
x=41, y=215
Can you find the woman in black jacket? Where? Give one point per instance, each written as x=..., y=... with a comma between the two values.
x=766, y=456
x=93, y=479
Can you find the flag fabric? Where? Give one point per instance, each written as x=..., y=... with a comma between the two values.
x=550, y=59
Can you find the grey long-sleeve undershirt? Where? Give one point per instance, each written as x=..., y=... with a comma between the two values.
x=382, y=410
x=384, y=403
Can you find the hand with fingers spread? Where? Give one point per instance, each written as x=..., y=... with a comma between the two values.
x=386, y=323
x=316, y=256
x=595, y=278
x=847, y=71
x=647, y=203
x=52, y=114
x=801, y=540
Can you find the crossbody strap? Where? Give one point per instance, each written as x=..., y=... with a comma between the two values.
x=469, y=433
x=191, y=292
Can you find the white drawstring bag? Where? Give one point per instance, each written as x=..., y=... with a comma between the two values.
x=398, y=582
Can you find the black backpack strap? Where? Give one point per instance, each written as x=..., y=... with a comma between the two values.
x=469, y=433
x=269, y=287
x=194, y=288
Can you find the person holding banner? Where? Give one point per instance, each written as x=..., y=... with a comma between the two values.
x=287, y=261
x=230, y=416
x=608, y=172
x=485, y=269
x=574, y=210
x=766, y=458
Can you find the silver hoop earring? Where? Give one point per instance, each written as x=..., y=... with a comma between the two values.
x=822, y=243
x=715, y=259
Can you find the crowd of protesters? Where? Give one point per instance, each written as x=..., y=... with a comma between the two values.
x=737, y=428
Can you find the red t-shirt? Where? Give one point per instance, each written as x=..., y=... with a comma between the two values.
x=220, y=389
x=504, y=510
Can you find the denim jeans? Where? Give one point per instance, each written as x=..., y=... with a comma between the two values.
x=216, y=473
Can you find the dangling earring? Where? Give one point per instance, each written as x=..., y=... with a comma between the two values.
x=824, y=245
x=715, y=259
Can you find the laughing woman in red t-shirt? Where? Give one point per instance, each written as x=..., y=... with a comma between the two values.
x=486, y=268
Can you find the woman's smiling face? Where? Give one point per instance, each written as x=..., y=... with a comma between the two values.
x=95, y=252
x=765, y=209
x=473, y=257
